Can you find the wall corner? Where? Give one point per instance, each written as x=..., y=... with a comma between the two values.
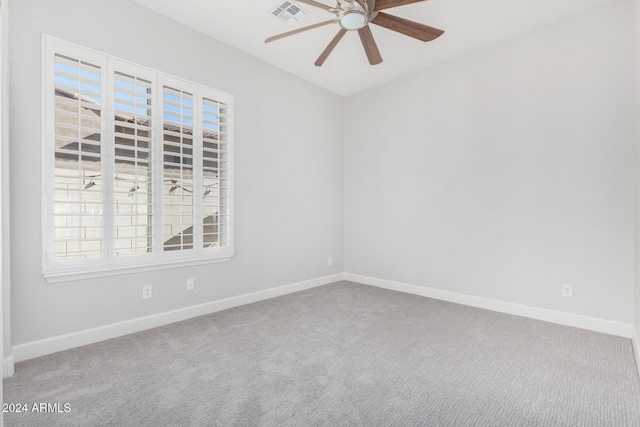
x=8, y=367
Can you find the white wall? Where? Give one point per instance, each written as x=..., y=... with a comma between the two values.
x=288, y=169
x=505, y=173
x=3, y=142
x=501, y=174
x=636, y=324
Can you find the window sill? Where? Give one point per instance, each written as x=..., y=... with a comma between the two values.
x=114, y=270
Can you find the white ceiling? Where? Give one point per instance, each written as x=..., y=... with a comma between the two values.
x=468, y=25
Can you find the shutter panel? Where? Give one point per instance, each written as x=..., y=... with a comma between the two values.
x=178, y=180
x=215, y=171
x=133, y=186
x=77, y=172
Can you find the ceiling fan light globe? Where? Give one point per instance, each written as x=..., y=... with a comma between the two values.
x=353, y=20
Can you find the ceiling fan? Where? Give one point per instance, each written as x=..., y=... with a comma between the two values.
x=356, y=15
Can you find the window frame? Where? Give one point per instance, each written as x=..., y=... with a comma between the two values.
x=158, y=258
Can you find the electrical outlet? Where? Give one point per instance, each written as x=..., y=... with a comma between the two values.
x=190, y=284
x=330, y=260
x=567, y=291
x=147, y=292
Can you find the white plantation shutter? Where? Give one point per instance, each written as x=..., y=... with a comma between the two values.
x=178, y=169
x=133, y=183
x=138, y=167
x=77, y=214
x=216, y=209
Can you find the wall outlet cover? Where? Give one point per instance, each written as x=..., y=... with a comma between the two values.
x=147, y=292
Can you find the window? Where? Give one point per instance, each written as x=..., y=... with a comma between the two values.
x=138, y=167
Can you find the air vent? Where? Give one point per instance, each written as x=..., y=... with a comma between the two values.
x=289, y=12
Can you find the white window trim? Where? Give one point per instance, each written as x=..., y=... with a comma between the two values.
x=60, y=276
x=108, y=265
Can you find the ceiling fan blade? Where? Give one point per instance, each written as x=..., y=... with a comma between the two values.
x=299, y=30
x=388, y=4
x=325, y=54
x=314, y=3
x=410, y=28
x=370, y=46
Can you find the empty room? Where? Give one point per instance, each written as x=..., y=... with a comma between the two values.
x=320, y=212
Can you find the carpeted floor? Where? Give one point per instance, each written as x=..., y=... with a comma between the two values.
x=339, y=355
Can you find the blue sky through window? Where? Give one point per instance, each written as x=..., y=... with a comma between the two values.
x=210, y=114
x=127, y=99
x=91, y=91
x=173, y=112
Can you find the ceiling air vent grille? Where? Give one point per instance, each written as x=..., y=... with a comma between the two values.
x=289, y=12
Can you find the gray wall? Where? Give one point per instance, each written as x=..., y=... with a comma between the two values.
x=289, y=178
x=505, y=173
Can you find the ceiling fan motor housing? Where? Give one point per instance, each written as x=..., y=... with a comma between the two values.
x=352, y=15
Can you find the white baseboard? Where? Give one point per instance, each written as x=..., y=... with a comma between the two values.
x=39, y=348
x=8, y=367
x=636, y=347
x=568, y=319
